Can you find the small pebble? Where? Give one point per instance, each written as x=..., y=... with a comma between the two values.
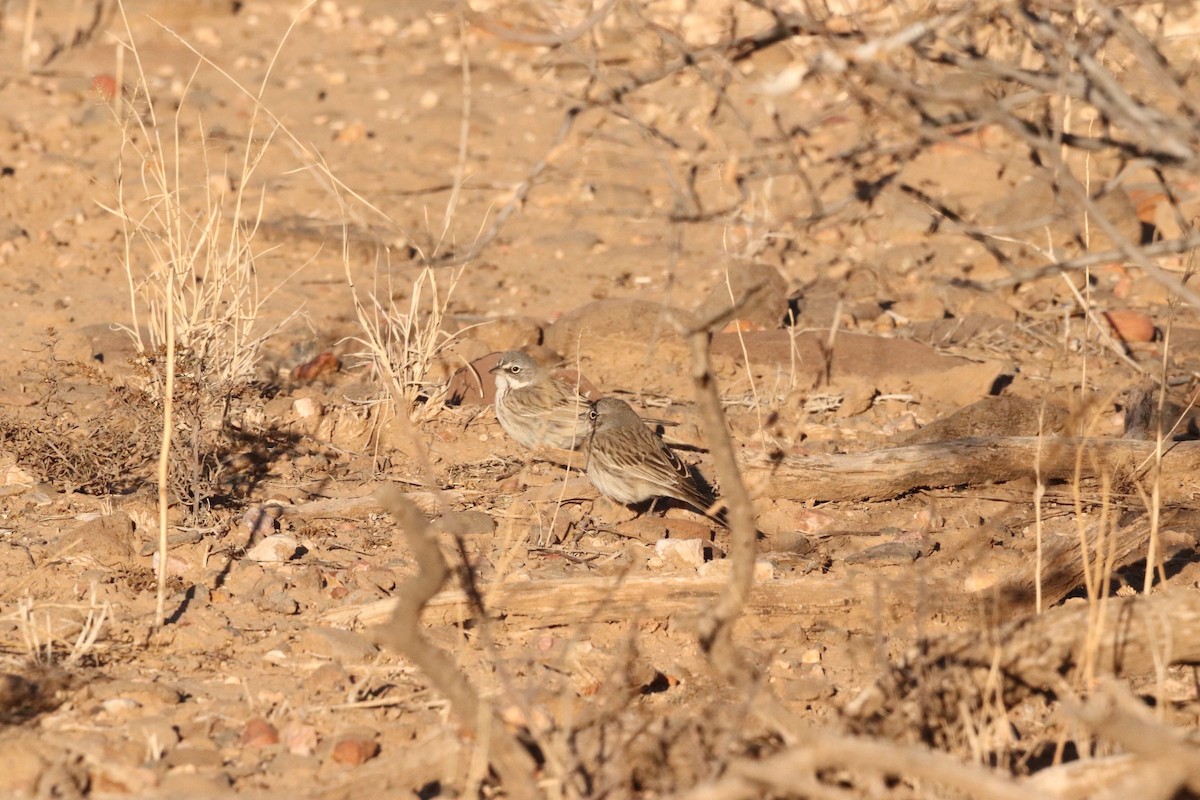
x=355, y=751
x=1131, y=326
x=300, y=739
x=258, y=734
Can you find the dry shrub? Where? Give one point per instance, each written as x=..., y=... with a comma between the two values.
x=108, y=447
x=194, y=294
x=400, y=342
x=106, y=454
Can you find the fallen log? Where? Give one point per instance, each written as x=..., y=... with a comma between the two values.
x=538, y=604
x=889, y=473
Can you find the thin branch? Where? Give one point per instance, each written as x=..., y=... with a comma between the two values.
x=403, y=634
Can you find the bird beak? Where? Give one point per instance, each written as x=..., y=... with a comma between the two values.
x=494, y=369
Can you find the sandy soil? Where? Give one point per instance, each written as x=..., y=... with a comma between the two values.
x=268, y=680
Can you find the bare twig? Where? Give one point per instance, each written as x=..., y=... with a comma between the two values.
x=716, y=626
x=1032, y=655
x=403, y=634
x=798, y=769
x=1116, y=715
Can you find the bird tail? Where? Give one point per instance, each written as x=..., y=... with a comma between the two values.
x=707, y=503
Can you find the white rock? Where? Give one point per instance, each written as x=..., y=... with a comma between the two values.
x=175, y=565
x=11, y=474
x=680, y=552
x=763, y=570
x=120, y=705
x=306, y=407
x=279, y=547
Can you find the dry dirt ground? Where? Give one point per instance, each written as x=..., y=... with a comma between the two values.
x=574, y=180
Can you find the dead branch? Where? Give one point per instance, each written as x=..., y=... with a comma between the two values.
x=1065, y=565
x=402, y=633
x=798, y=770
x=1168, y=762
x=948, y=676
x=1117, y=716
x=884, y=474
x=572, y=601
x=716, y=625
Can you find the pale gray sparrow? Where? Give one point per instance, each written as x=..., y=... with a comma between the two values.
x=536, y=408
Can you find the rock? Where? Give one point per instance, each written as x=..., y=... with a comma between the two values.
x=1131, y=326
x=473, y=385
x=381, y=578
x=176, y=566
x=14, y=479
x=155, y=730
x=273, y=549
x=322, y=364
x=144, y=693
x=449, y=360
x=193, y=757
x=763, y=570
x=297, y=766
x=300, y=738
x=788, y=543
x=330, y=676
x=22, y=762
x=892, y=366
x=107, y=540
x=1060, y=222
x=186, y=782
x=680, y=552
x=992, y=416
x=765, y=291
x=501, y=333
x=809, y=687
x=1178, y=420
x=307, y=408
x=627, y=344
x=887, y=554
x=858, y=395
x=785, y=515
x=465, y=523
x=102, y=343
x=261, y=521
x=346, y=646
x=964, y=330
x=278, y=602
x=354, y=751
x=921, y=306
x=258, y=733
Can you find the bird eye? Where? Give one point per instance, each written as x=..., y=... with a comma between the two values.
x=592, y=415
x=514, y=369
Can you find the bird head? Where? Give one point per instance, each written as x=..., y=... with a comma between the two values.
x=516, y=370
x=608, y=413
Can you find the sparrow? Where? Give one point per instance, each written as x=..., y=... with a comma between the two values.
x=534, y=407
x=629, y=463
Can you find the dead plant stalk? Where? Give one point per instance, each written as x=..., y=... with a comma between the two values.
x=197, y=296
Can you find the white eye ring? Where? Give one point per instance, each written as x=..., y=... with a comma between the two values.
x=514, y=369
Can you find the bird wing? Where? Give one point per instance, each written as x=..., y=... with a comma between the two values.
x=662, y=466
